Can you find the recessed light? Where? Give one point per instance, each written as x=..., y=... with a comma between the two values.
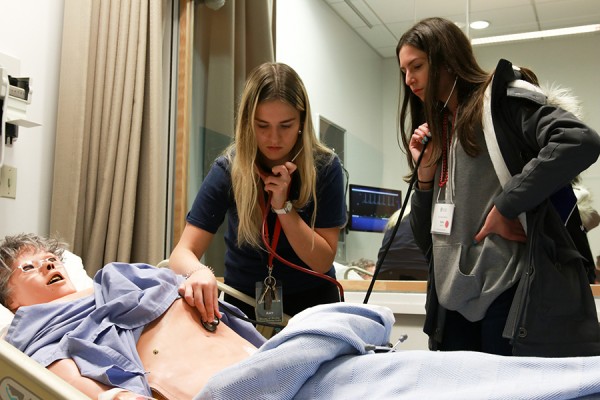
x=479, y=24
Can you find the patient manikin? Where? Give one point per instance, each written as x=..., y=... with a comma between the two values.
x=175, y=342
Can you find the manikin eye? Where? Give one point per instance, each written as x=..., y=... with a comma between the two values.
x=27, y=267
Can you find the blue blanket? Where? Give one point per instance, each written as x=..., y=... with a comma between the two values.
x=321, y=355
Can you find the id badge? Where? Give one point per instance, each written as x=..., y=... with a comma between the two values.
x=442, y=218
x=269, y=304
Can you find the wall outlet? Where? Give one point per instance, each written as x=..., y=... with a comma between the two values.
x=8, y=182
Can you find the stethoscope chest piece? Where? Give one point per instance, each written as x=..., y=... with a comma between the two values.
x=211, y=326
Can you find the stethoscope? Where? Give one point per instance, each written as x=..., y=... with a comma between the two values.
x=410, y=186
x=211, y=327
x=388, y=244
x=272, y=253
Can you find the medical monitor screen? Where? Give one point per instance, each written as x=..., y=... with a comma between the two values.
x=371, y=207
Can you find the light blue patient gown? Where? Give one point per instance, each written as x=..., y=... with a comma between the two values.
x=100, y=332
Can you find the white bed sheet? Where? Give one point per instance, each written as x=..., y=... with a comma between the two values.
x=321, y=355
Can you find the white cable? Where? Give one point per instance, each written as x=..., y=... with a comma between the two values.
x=451, y=91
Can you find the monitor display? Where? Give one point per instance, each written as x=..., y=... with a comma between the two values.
x=371, y=207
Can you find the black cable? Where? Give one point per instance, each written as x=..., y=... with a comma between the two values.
x=388, y=244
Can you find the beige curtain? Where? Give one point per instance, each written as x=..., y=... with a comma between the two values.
x=227, y=44
x=109, y=192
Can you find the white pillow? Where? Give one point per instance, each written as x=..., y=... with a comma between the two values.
x=78, y=275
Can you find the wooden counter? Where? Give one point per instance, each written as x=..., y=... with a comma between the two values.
x=385, y=286
x=405, y=286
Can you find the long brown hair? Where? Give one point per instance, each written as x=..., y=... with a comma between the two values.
x=447, y=47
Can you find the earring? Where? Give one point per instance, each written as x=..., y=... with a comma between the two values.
x=300, y=132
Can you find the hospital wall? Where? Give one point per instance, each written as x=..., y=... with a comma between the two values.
x=31, y=31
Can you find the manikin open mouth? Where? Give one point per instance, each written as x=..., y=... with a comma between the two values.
x=55, y=278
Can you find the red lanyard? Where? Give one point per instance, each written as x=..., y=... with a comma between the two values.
x=447, y=141
x=265, y=232
x=273, y=245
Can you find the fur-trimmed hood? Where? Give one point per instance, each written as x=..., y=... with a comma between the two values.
x=564, y=98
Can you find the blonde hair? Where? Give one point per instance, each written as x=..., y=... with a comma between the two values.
x=271, y=81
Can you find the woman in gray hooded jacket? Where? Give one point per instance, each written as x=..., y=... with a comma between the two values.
x=493, y=196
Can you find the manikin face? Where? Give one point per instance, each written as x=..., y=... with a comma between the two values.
x=277, y=126
x=31, y=285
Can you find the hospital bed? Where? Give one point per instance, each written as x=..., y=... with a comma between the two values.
x=24, y=379
x=324, y=358
x=358, y=270
x=350, y=272
x=21, y=378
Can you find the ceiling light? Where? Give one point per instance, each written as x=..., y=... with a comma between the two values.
x=537, y=34
x=479, y=24
x=358, y=12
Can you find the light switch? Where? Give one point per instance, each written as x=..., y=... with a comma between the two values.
x=8, y=182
